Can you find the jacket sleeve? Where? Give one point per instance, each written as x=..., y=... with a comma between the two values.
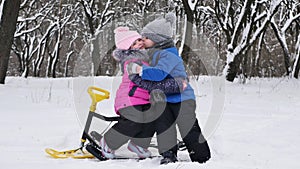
x=168, y=85
x=162, y=69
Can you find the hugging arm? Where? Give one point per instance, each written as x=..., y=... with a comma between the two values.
x=168, y=85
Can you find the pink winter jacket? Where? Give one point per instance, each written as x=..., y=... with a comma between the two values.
x=123, y=99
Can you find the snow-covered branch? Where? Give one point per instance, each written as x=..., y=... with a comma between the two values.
x=207, y=10
x=1, y=8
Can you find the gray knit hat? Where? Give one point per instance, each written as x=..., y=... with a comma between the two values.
x=160, y=29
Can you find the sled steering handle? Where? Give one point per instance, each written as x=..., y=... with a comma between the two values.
x=97, y=97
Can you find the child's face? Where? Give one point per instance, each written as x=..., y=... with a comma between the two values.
x=138, y=44
x=148, y=43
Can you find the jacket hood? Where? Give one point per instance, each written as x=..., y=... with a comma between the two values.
x=121, y=55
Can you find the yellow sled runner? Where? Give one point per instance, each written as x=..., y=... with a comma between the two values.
x=76, y=153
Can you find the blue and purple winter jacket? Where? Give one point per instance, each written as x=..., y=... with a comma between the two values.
x=169, y=64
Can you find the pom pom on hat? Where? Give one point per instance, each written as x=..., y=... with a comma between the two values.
x=160, y=29
x=171, y=18
x=124, y=37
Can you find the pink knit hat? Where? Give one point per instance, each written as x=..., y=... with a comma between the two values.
x=124, y=38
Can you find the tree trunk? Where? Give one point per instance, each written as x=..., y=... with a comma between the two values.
x=8, y=23
x=188, y=32
x=233, y=68
x=89, y=17
x=286, y=53
x=297, y=67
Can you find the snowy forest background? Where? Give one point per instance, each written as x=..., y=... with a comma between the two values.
x=250, y=125
x=69, y=38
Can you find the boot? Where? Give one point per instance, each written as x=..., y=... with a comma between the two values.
x=199, y=152
x=140, y=151
x=105, y=150
x=168, y=157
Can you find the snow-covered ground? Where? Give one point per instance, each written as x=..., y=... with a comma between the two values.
x=252, y=125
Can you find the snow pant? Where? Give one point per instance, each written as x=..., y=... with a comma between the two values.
x=133, y=126
x=182, y=114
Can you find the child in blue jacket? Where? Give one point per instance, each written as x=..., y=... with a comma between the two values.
x=131, y=102
x=179, y=107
